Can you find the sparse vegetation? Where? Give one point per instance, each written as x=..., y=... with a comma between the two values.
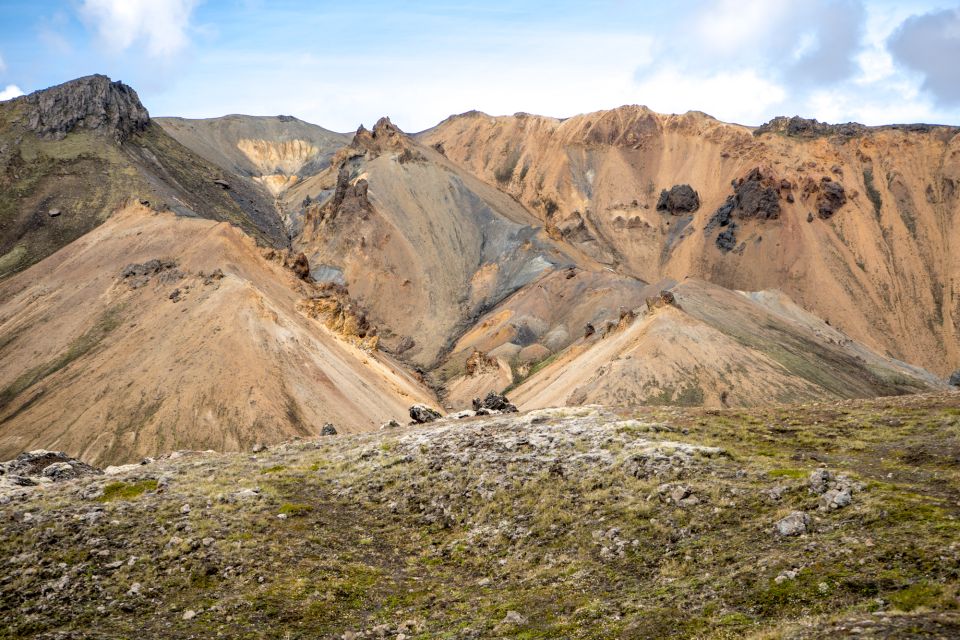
x=430, y=536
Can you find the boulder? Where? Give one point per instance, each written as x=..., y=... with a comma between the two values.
x=494, y=402
x=680, y=199
x=422, y=414
x=328, y=430
x=954, y=380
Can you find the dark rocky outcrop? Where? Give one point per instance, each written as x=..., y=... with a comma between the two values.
x=680, y=199
x=93, y=102
x=328, y=430
x=422, y=414
x=797, y=127
x=493, y=402
x=954, y=380
x=832, y=197
x=755, y=196
x=727, y=239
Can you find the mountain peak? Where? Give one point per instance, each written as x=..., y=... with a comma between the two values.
x=93, y=102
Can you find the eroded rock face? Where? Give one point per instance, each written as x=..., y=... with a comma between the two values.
x=93, y=102
x=349, y=198
x=680, y=199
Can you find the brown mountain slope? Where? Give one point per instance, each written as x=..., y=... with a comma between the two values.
x=717, y=347
x=878, y=258
x=73, y=154
x=112, y=367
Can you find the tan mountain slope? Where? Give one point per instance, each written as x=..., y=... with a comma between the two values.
x=217, y=351
x=858, y=225
x=717, y=347
x=73, y=154
x=422, y=245
x=275, y=152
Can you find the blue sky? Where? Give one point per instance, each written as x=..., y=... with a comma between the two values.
x=340, y=64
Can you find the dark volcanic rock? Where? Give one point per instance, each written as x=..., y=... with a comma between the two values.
x=955, y=378
x=328, y=430
x=727, y=239
x=494, y=402
x=797, y=127
x=422, y=414
x=93, y=102
x=681, y=198
x=755, y=198
x=832, y=197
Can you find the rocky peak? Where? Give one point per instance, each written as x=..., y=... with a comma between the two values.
x=92, y=102
x=797, y=127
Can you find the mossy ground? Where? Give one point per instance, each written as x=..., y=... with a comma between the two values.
x=452, y=527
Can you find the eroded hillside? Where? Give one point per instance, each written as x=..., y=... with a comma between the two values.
x=156, y=332
x=857, y=225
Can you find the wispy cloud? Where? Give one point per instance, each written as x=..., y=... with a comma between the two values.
x=11, y=91
x=161, y=24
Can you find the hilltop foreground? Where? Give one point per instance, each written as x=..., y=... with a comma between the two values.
x=804, y=521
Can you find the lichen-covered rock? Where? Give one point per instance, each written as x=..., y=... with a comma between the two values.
x=793, y=525
x=92, y=102
x=328, y=430
x=34, y=467
x=680, y=199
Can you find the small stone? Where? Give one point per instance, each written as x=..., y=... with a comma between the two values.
x=794, y=524
x=515, y=618
x=189, y=614
x=257, y=448
x=820, y=480
x=785, y=575
x=54, y=213
x=185, y=508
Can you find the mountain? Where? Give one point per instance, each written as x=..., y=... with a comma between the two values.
x=856, y=224
x=219, y=283
x=157, y=332
x=72, y=155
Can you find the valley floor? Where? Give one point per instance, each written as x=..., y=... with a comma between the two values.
x=801, y=521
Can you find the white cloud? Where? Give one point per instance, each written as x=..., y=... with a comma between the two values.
x=12, y=91
x=162, y=24
x=741, y=96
